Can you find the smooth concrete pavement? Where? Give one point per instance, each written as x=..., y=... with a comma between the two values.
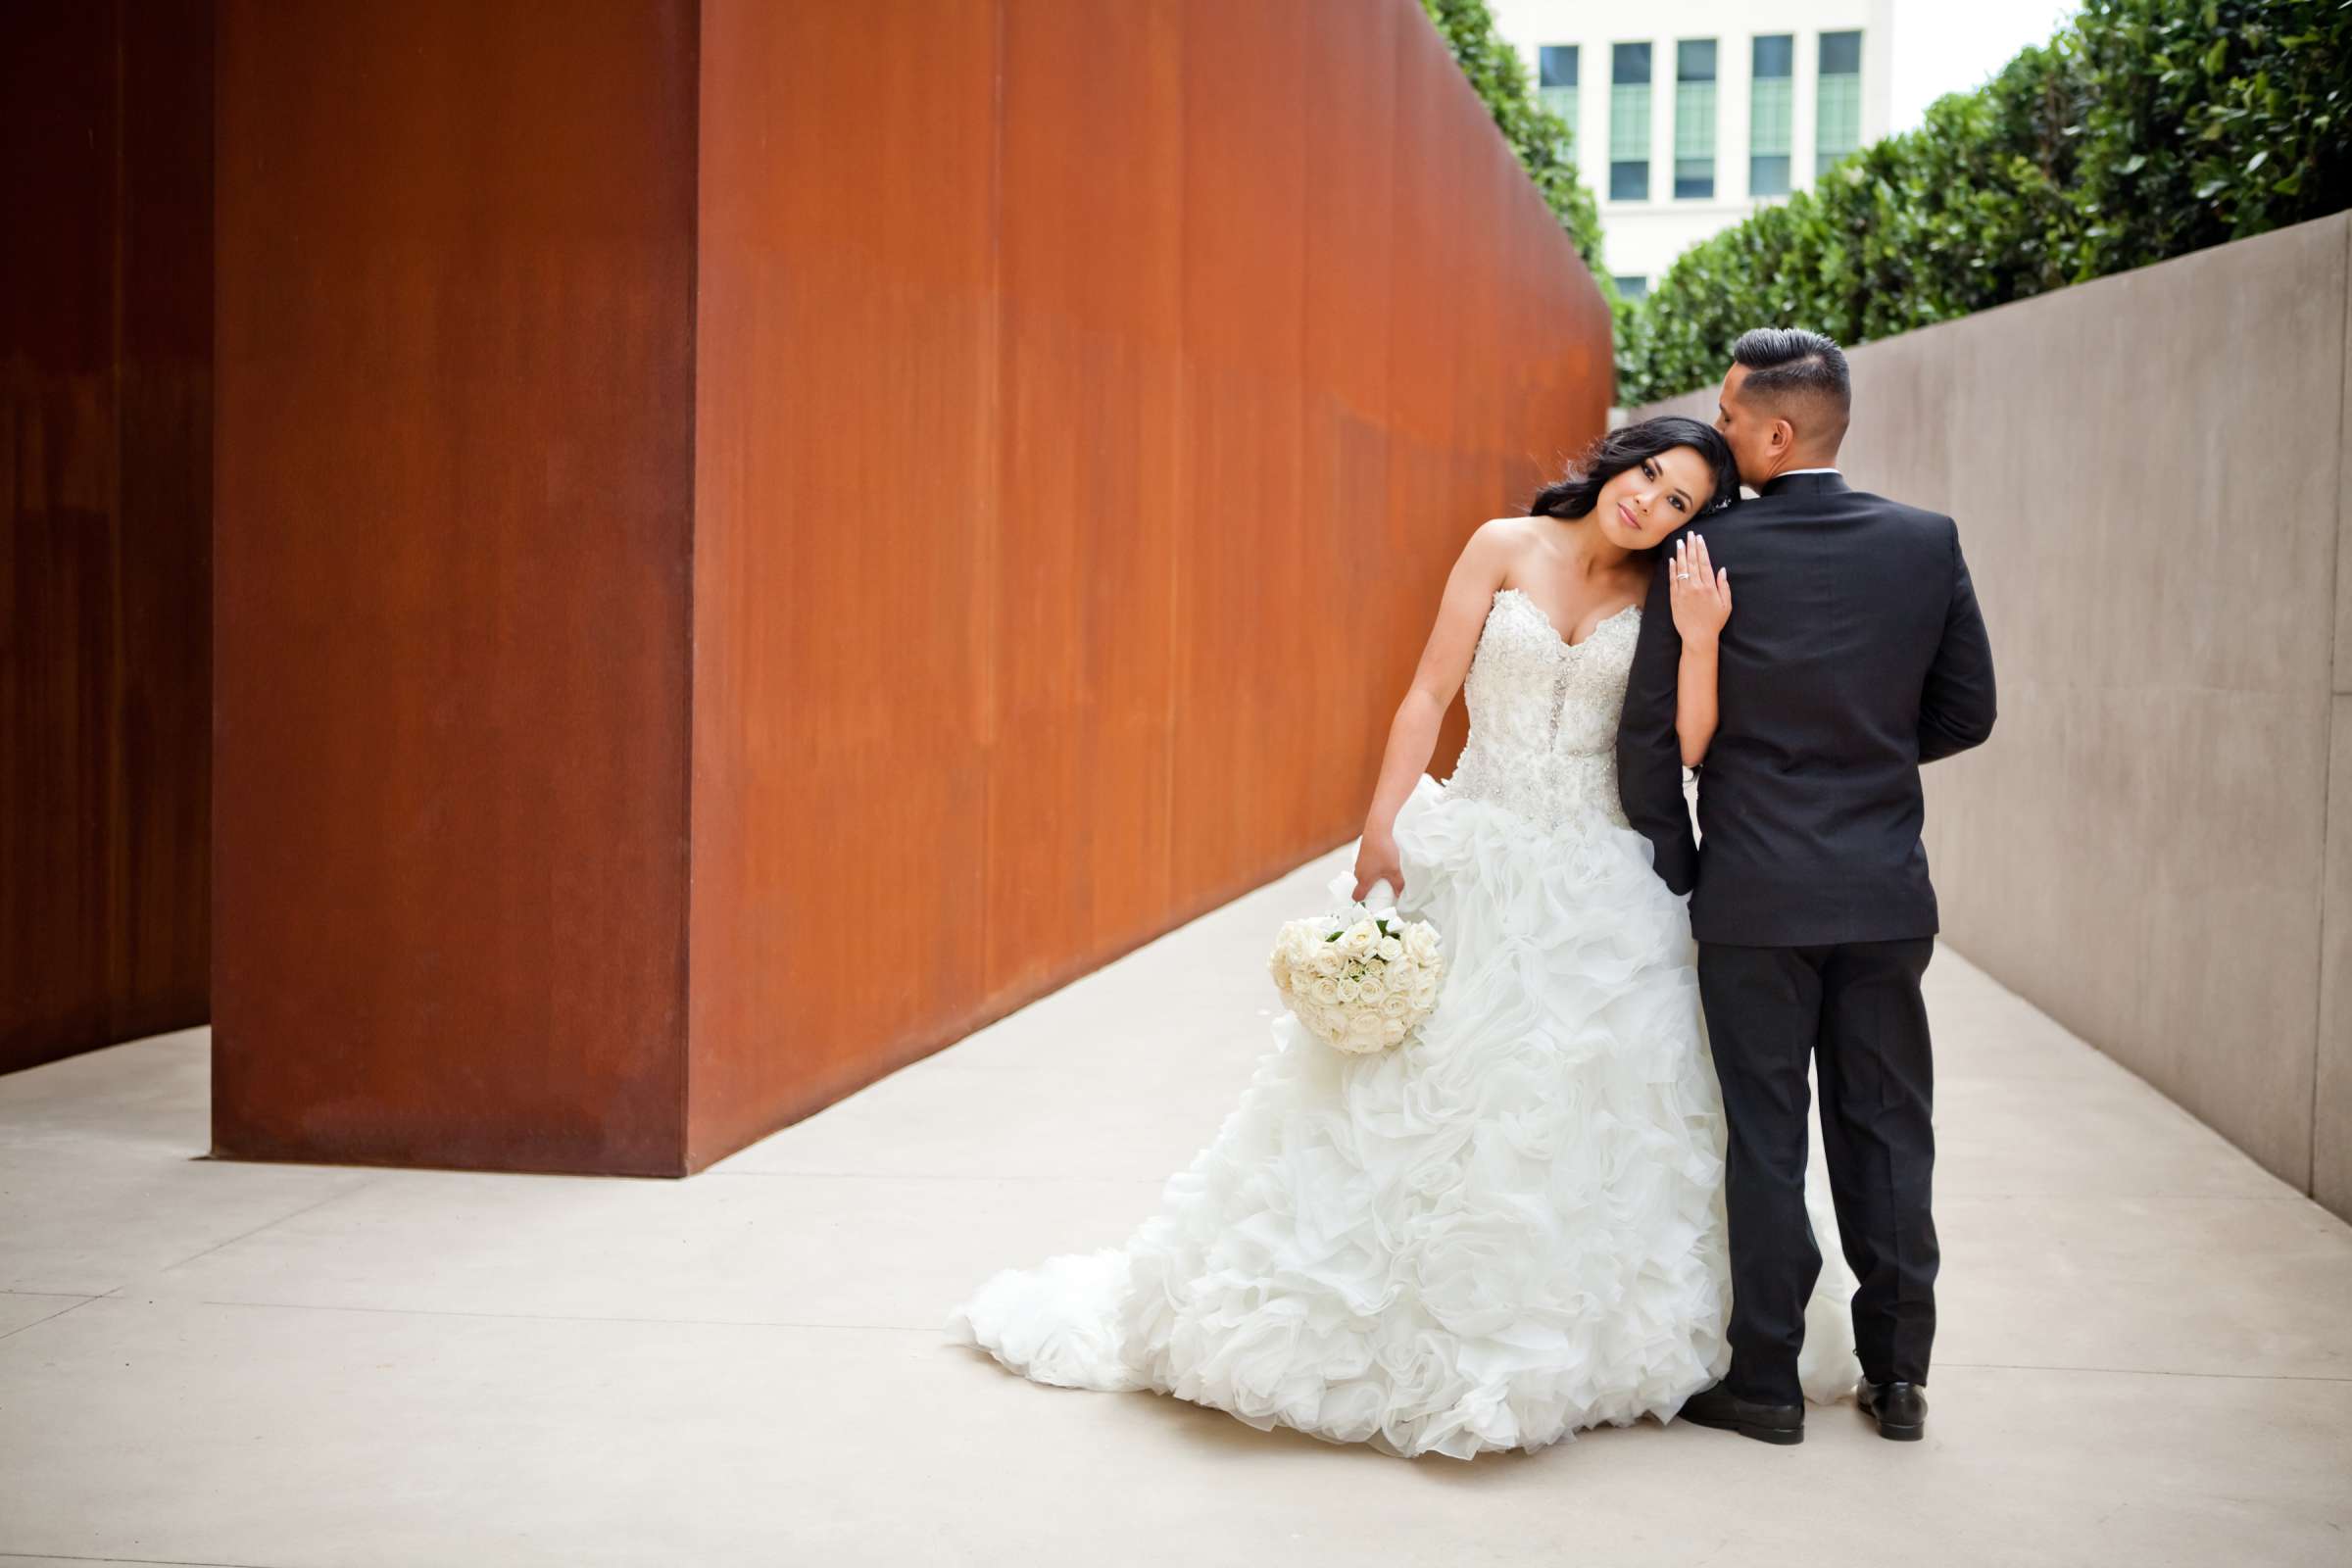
x=2145, y=1357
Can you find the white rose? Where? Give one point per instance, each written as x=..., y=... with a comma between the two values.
x=1392, y=949
x=1326, y=991
x=1349, y=989
x=1421, y=940
x=1395, y=1005
x=1372, y=988
x=1424, y=995
x=1358, y=939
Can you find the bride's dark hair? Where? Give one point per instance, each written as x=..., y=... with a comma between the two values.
x=1576, y=495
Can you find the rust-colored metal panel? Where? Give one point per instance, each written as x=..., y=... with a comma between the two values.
x=1078, y=849
x=104, y=492
x=845, y=512
x=1351, y=209
x=1246, y=778
x=1077, y=465
x=1022, y=515
x=453, y=487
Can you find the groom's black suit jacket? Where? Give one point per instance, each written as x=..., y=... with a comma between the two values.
x=1854, y=653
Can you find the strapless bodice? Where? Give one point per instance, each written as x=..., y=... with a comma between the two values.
x=1544, y=716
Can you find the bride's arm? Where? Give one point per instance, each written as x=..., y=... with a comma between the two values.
x=1702, y=603
x=1445, y=662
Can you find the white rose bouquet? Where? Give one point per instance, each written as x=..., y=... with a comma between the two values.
x=1359, y=985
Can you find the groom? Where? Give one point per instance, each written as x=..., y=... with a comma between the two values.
x=1856, y=654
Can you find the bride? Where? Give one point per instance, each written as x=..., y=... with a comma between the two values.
x=1510, y=1227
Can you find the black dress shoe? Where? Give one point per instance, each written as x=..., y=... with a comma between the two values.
x=1717, y=1406
x=1900, y=1409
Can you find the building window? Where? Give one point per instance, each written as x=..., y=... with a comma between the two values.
x=1771, y=112
x=1839, y=115
x=1633, y=288
x=1694, y=120
x=1555, y=71
x=1629, y=122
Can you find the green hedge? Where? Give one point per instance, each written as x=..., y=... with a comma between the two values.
x=1543, y=140
x=2145, y=129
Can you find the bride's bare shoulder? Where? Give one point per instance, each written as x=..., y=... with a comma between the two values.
x=1496, y=550
x=1501, y=540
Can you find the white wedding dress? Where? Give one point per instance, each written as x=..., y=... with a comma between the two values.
x=1510, y=1227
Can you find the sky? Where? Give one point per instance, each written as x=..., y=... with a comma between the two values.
x=1945, y=46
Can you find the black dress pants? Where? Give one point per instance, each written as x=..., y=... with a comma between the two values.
x=1855, y=1008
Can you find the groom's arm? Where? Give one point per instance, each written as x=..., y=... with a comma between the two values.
x=1956, y=704
x=1649, y=755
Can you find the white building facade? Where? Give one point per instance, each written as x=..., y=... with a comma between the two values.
x=1691, y=114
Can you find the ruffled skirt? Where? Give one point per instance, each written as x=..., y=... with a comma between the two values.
x=1506, y=1230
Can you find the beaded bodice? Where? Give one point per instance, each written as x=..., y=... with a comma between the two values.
x=1544, y=716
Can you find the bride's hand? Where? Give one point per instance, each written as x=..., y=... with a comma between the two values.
x=1376, y=861
x=1701, y=594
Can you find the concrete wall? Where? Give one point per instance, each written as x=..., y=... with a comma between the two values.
x=2150, y=475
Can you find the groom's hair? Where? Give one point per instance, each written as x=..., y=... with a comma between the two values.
x=1789, y=366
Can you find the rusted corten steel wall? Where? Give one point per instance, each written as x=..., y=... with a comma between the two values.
x=758, y=537
x=104, y=511
x=454, y=533
x=1090, y=402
